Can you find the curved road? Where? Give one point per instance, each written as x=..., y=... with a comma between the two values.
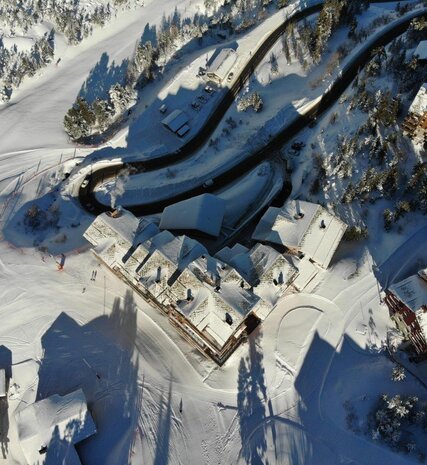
x=92, y=205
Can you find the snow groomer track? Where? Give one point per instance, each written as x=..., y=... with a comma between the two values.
x=330, y=96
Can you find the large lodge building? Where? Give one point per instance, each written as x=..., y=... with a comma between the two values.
x=213, y=301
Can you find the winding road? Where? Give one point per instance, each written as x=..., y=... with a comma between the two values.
x=86, y=194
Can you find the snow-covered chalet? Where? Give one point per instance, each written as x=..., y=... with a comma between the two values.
x=407, y=302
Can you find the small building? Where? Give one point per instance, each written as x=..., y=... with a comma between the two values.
x=49, y=429
x=221, y=65
x=415, y=124
x=421, y=51
x=3, y=386
x=202, y=214
x=175, y=121
x=407, y=303
x=302, y=227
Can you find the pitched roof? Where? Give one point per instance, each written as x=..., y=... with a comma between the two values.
x=253, y=265
x=223, y=62
x=57, y=422
x=411, y=291
x=204, y=213
x=302, y=225
x=175, y=120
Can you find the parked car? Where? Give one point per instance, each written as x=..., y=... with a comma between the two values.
x=209, y=89
x=298, y=145
x=195, y=105
x=208, y=183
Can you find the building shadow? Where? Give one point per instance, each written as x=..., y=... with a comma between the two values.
x=83, y=356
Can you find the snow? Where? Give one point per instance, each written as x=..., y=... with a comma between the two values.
x=421, y=50
x=58, y=423
x=412, y=291
x=203, y=213
x=221, y=64
x=302, y=225
x=3, y=391
x=278, y=399
x=175, y=121
x=419, y=105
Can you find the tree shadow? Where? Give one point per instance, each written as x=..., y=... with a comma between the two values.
x=50, y=222
x=82, y=356
x=164, y=430
x=101, y=77
x=251, y=398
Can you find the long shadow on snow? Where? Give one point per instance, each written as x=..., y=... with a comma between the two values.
x=81, y=356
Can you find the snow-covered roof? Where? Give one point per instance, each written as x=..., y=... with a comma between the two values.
x=306, y=272
x=207, y=309
x=175, y=120
x=125, y=225
x=302, y=225
x=180, y=250
x=253, y=265
x=58, y=423
x=419, y=105
x=204, y=213
x=2, y=382
x=222, y=63
x=209, y=269
x=421, y=50
x=411, y=291
x=226, y=254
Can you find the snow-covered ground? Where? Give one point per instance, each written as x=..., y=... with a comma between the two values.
x=281, y=398
x=241, y=133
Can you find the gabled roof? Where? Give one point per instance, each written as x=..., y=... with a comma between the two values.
x=58, y=423
x=254, y=264
x=222, y=63
x=204, y=213
x=175, y=120
x=411, y=291
x=302, y=225
x=226, y=254
x=125, y=225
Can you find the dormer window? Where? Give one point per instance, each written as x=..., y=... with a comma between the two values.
x=228, y=319
x=322, y=224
